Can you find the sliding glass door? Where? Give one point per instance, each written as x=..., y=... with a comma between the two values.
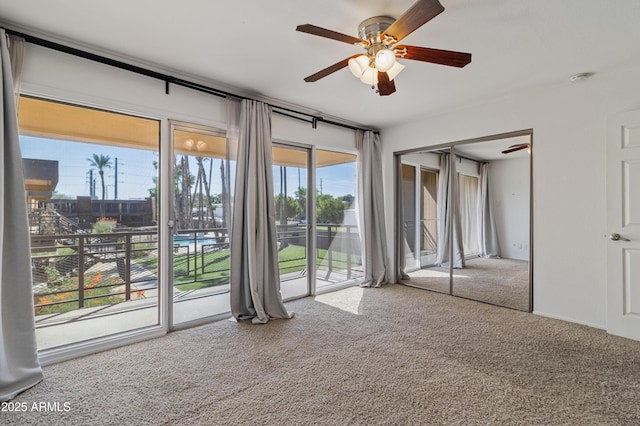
x=290, y=184
x=202, y=188
x=338, y=250
x=94, y=188
x=90, y=178
x=316, y=211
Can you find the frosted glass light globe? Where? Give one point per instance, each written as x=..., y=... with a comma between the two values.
x=385, y=59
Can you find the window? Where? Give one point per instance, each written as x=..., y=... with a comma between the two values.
x=90, y=178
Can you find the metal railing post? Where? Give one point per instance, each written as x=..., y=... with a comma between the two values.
x=80, y=272
x=127, y=266
x=202, y=249
x=195, y=256
x=348, y=252
x=329, y=253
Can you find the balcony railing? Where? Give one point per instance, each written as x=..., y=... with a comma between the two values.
x=73, y=271
x=86, y=270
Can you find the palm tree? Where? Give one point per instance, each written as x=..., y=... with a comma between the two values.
x=100, y=162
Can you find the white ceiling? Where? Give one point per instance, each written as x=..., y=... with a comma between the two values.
x=489, y=150
x=492, y=150
x=251, y=46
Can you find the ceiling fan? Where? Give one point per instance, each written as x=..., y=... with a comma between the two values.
x=380, y=36
x=516, y=147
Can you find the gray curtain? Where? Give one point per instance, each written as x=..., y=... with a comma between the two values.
x=487, y=232
x=448, y=217
x=255, y=278
x=371, y=208
x=19, y=365
x=16, y=56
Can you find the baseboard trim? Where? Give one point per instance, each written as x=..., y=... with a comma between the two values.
x=573, y=320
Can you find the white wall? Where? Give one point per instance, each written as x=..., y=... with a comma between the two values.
x=569, y=211
x=58, y=76
x=509, y=180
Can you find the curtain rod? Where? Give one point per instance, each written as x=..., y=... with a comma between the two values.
x=168, y=79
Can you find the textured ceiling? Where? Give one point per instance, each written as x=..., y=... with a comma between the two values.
x=252, y=47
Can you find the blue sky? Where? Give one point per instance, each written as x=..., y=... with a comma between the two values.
x=135, y=166
x=136, y=171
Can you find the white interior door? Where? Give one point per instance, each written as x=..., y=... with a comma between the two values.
x=623, y=217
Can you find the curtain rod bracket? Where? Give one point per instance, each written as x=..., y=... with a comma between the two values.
x=314, y=123
x=166, y=87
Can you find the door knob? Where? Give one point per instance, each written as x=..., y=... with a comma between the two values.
x=617, y=237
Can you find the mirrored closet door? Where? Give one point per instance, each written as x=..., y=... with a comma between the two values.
x=481, y=231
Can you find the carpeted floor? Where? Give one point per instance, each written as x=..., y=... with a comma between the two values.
x=503, y=282
x=394, y=355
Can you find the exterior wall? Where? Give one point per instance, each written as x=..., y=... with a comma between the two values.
x=569, y=209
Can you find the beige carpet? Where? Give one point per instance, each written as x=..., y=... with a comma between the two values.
x=503, y=282
x=395, y=355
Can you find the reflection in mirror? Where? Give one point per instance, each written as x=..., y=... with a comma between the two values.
x=421, y=195
x=469, y=203
x=493, y=208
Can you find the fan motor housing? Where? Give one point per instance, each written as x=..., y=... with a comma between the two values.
x=371, y=29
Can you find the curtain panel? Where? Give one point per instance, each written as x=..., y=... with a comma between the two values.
x=468, y=208
x=487, y=230
x=255, y=277
x=373, y=230
x=19, y=365
x=448, y=217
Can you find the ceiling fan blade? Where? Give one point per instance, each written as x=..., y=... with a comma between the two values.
x=436, y=56
x=323, y=32
x=385, y=86
x=329, y=70
x=419, y=14
x=514, y=148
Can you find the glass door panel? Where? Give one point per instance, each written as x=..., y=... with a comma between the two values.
x=290, y=183
x=201, y=211
x=90, y=183
x=338, y=251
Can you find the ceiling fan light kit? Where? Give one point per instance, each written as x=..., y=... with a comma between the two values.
x=385, y=59
x=379, y=36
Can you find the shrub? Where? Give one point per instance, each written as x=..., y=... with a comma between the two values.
x=104, y=225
